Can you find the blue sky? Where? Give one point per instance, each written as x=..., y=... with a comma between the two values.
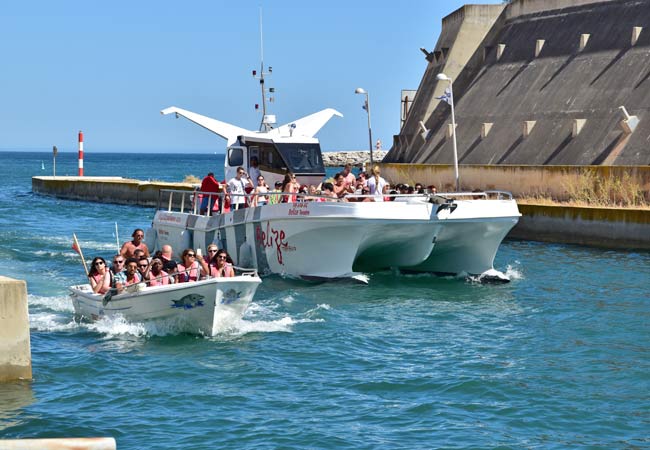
x=108, y=68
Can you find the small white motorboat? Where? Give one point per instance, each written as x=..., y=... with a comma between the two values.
x=202, y=307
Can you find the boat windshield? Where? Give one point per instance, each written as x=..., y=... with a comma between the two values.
x=302, y=158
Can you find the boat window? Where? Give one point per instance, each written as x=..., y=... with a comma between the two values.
x=302, y=158
x=270, y=159
x=235, y=157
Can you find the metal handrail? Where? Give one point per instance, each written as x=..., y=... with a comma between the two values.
x=220, y=196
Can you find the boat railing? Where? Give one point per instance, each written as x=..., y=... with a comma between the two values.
x=192, y=202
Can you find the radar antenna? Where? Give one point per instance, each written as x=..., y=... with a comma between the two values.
x=268, y=120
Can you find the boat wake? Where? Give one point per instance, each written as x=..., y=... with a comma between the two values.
x=56, y=314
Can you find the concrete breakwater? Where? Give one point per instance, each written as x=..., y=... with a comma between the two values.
x=356, y=158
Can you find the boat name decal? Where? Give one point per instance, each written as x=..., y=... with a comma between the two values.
x=272, y=237
x=189, y=301
x=299, y=209
x=230, y=296
x=169, y=218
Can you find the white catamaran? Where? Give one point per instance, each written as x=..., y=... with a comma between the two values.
x=444, y=233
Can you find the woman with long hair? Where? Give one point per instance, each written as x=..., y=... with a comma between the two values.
x=376, y=184
x=221, y=266
x=99, y=276
x=192, y=266
x=262, y=188
x=290, y=185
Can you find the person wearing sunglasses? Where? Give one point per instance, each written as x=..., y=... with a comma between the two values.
x=99, y=276
x=132, y=274
x=143, y=268
x=262, y=188
x=192, y=267
x=222, y=267
x=128, y=248
x=237, y=189
x=118, y=273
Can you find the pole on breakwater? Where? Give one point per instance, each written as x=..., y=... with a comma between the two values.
x=81, y=154
x=59, y=444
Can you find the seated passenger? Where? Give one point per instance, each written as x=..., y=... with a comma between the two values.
x=157, y=276
x=132, y=274
x=222, y=268
x=118, y=272
x=192, y=267
x=99, y=276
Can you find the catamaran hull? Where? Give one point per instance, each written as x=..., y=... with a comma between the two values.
x=335, y=240
x=201, y=307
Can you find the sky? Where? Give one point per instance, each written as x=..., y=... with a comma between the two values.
x=108, y=68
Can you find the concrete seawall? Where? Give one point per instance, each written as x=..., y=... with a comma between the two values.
x=15, y=350
x=123, y=191
x=597, y=227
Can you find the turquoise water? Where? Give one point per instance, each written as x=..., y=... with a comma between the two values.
x=558, y=358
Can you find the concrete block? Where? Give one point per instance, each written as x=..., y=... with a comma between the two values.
x=577, y=126
x=15, y=350
x=500, y=49
x=636, y=32
x=449, y=132
x=584, y=38
x=528, y=127
x=59, y=444
x=485, y=129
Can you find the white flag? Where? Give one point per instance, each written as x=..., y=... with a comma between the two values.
x=446, y=97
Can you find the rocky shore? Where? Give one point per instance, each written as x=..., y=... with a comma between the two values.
x=356, y=158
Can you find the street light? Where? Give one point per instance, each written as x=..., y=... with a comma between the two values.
x=366, y=106
x=443, y=77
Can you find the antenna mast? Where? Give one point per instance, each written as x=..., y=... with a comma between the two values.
x=267, y=120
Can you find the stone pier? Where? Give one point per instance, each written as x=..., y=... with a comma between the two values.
x=15, y=350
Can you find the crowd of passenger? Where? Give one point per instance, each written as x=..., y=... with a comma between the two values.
x=134, y=265
x=250, y=189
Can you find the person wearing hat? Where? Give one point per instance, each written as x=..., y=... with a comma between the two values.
x=275, y=198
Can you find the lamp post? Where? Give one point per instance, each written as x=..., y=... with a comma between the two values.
x=366, y=106
x=443, y=77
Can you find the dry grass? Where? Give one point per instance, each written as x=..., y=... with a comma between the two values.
x=191, y=179
x=590, y=190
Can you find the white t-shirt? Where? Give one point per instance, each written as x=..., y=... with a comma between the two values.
x=236, y=186
x=254, y=173
x=377, y=189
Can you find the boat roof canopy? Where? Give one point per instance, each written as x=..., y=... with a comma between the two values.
x=298, y=130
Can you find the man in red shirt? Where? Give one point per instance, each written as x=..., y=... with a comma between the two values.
x=209, y=184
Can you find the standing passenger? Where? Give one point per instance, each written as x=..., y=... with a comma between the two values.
x=376, y=184
x=128, y=249
x=237, y=189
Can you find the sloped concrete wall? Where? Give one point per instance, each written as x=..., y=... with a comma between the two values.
x=552, y=89
x=15, y=350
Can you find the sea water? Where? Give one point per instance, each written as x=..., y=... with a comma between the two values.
x=558, y=358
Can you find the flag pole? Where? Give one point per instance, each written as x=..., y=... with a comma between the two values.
x=75, y=246
x=117, y=238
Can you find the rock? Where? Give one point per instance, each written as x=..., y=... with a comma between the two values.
x=356, y=158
